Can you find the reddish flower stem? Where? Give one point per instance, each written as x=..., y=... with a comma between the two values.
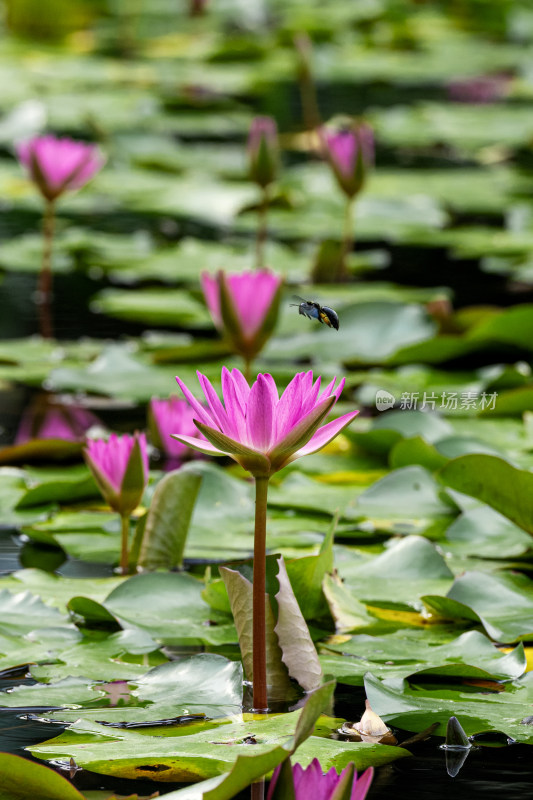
x=44, y=296
x=262, y=229
x=258, y=790
x=124, y=549
x=348, y=237
x=259, y=597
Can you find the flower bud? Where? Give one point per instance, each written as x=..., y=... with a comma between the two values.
x=263, y=150
x=350, y=153
x=59, y=165
x=120, y=468
x=244, y=307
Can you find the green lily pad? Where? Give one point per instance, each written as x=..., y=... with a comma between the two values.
x=399, y=574
x=137, y=604
x=201, y=755
x=407, y=492
x=473, y=594
x=495, y=482
x=415, y=708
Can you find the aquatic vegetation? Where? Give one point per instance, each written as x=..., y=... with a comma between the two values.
x=120, y=468
x=396, y=556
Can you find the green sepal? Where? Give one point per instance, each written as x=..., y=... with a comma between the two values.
x=264, y=332
x=40, y=179
x=360, y=168
x=133, y=482
x=228, y=313
x=284, y=789
x=109, y=493
x=256, y=463
x=264, y=163
x=343, y=790
x=153, y=430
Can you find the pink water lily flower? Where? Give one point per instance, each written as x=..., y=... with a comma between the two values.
x=350, y=152
x=57, y=165
x=167, y=416
x=313, y=783
x=46, y=419
x=259, y=429
x=244, y=306
x=120, y=468
x=485, y=89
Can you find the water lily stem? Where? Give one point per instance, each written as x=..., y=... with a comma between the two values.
x=258, y=790
x=247, y=368
x=44, y=291
x=124, y=549
x=262, y=229
x=348, y=239
x=259, y=598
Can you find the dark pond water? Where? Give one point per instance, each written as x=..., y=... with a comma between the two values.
x=488, y=772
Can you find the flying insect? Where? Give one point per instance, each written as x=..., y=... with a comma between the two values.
x=311, y=310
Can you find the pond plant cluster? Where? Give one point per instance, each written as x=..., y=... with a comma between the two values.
x=266, y=462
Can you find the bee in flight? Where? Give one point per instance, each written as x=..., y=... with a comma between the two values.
x=312, y=310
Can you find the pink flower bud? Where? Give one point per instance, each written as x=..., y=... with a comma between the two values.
x=59, y=165
x=120, y=468
x=350, y=152
x=263, y=150
x=244, y=306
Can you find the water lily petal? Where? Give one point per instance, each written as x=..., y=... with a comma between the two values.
x=201, y=412
x=217, y=409
x=300, y=433
x=241, y=385
x=325, y=434
x=289, y=407
x=329, y=389
x=260, y=415
x=235, y=407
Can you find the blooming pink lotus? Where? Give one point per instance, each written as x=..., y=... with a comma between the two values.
x=263, y=150
x=263, y=432
x=59, y=165
x=120, y=468
x=167, y=416
x=244, y=307
x=312, y=783
x=259, y=429
x=350, y=152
